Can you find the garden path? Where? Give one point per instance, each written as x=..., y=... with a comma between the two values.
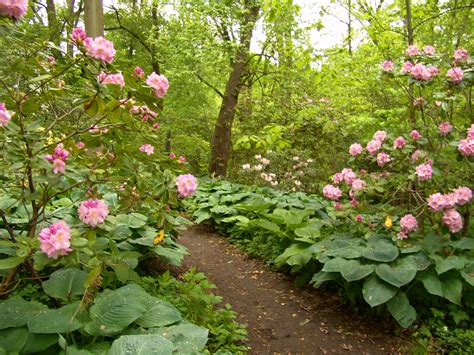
x=280, y=317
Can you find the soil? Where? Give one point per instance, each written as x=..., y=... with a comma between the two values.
x=281, y=318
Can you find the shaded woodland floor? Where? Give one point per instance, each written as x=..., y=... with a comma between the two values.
x=280, y=317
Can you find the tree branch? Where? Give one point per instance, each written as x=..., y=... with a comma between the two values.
x=216, y=90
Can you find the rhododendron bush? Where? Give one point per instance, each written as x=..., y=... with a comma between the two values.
x=81, y=205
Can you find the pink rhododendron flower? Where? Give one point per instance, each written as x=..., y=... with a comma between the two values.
x=455, y=75
x=349, y=175
x=159, y=83
x=181, y=159
x=417, y=154
x=387, y=66
x=401, y=236
x=380, y=136
x=383, y=158
x=452, y=219
x=407, y=67
x=445, y=128
x=424, y=172
x=55, y=240
x=78, y=35
x=13, y=8
x=408, y=223
x=359, y=218
x=186, y=184
x=338, y=177
x=172, y=155
x=433, y=71
x=358, y=184
x=138, y=72
x=470, y=132
x=463, y=195
x=265, y=161
x=100, y=48
x=450, y=200
x=466, y=147
x=353, y=202
x=337, y=206
x=155, y=125
x=80, y=145
x=58, y=158
x=420, y=72
x=148, y=149
x=415, y=135
x=258, y=167
x=332, y=192
x=246, y=167
x=274, y=183
x=105, y=79
x=412, y=50
x=258, y=157
x=429, y=50
x=93, y=212
x=5, y=115
x=355, y=149
x=460, y=55
x=373, y=146
x=399, y=143
x=59, y=166
x=436, y=202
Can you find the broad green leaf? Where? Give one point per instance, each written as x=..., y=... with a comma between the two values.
x=159, y=313
x=16, y=312
x=308, y=234
x=173, y=256
x=266, y=224
x=468, y=273
x=65, y=283
x=348, y=252
x=62, y=320
x=398, y=273
x=353, y=270
x=12, y=340
x=449, y=263
x=242, y=219
x=321, y=277
x=293, y=250
x=39, y=342
x=380, y=251
x=401, y=310
x=377, y=292
x=132, y=220
x=420, y=260
x=121, y=232
x=201, y=216
x=465, y=243
x=452, y=287
x=186, y=338
x=10, y=263
x=334, y=265
x=149, y=344
x=431, y=282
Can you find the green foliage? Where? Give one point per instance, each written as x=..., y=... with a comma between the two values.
x=193, y=297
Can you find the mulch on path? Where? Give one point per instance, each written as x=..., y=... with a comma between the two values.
x=281, y=318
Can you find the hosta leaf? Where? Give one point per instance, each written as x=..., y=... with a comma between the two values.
x=380, y=251
x=16, y=312
x=149, y=344
x=431, y=282
x=266, y=224
x=323, y=276
x=12, y=340
x=308, y=234
x=132, y=220
x=39, y=342
x=292, y=250
x=348, y=252
x=334, y=265
x=186, y=338
x=449, y=263
x=420, y=260
x=452, y=287
x=62, y=320
x=159, y=313
x=116, y=310
x=401, y=310
x=65, y=283
x=464, y=243
x=353, y=270
x=468, y=273
x=399, y=273
x=377, y=292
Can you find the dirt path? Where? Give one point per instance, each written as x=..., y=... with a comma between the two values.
x=281, y=318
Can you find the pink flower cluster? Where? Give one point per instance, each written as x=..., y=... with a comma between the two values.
x=461, y=55
x=186, y=184
x=412, y=51
x=144, y=112
x=415, y=135
x=93, y=212
x=78, y=35
x=271, y=178
x=421, y=72
x=383, y=158
x=55, y=240
x=445, y=128
x=13, y=8
x=424, y=172
x=58, y=158
x=100, y=48
x=332, y=192
x=5, y=115
x=148, y=149
x=460, y=196
x=355, y=149
x=408, y=224
x=105, y=79
x=387, y=66
x=138, y=72
x=399, y=143
x=455, y=75
x=453, y=220
x=159, y=83
x=466, y=146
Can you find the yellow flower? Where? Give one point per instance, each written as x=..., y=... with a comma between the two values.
x=388, y=222
x=40, y=129
x=50, y=139
x=159, y=237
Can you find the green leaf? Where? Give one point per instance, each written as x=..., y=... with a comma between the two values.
x=398, y=273
x=159, y=313
x=39, y=342
x=380, y=251
x=65, y=283
x=449, y=263
x=348, y=252
x=468, y=273
x=116, y=310
x=12, y=340
x=377, y=292
x=353, y=270
x=431, y=282
x=121, y=232
x=464, y=244
x=16, y=312
x=401, y=310
x=266, y=224
x=308, y=234
x=62, y=320
x=10, y=263
x=321, y=277
x=149, y=344
x=186, y=338
x=452, y=287
x=334, y=265
x=132, y=220
x=201, y=216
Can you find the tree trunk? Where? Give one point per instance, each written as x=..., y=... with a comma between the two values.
x=221, y=140
x=349, y=27
x=411, y=108
x=53, y=23
x=94, y=18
